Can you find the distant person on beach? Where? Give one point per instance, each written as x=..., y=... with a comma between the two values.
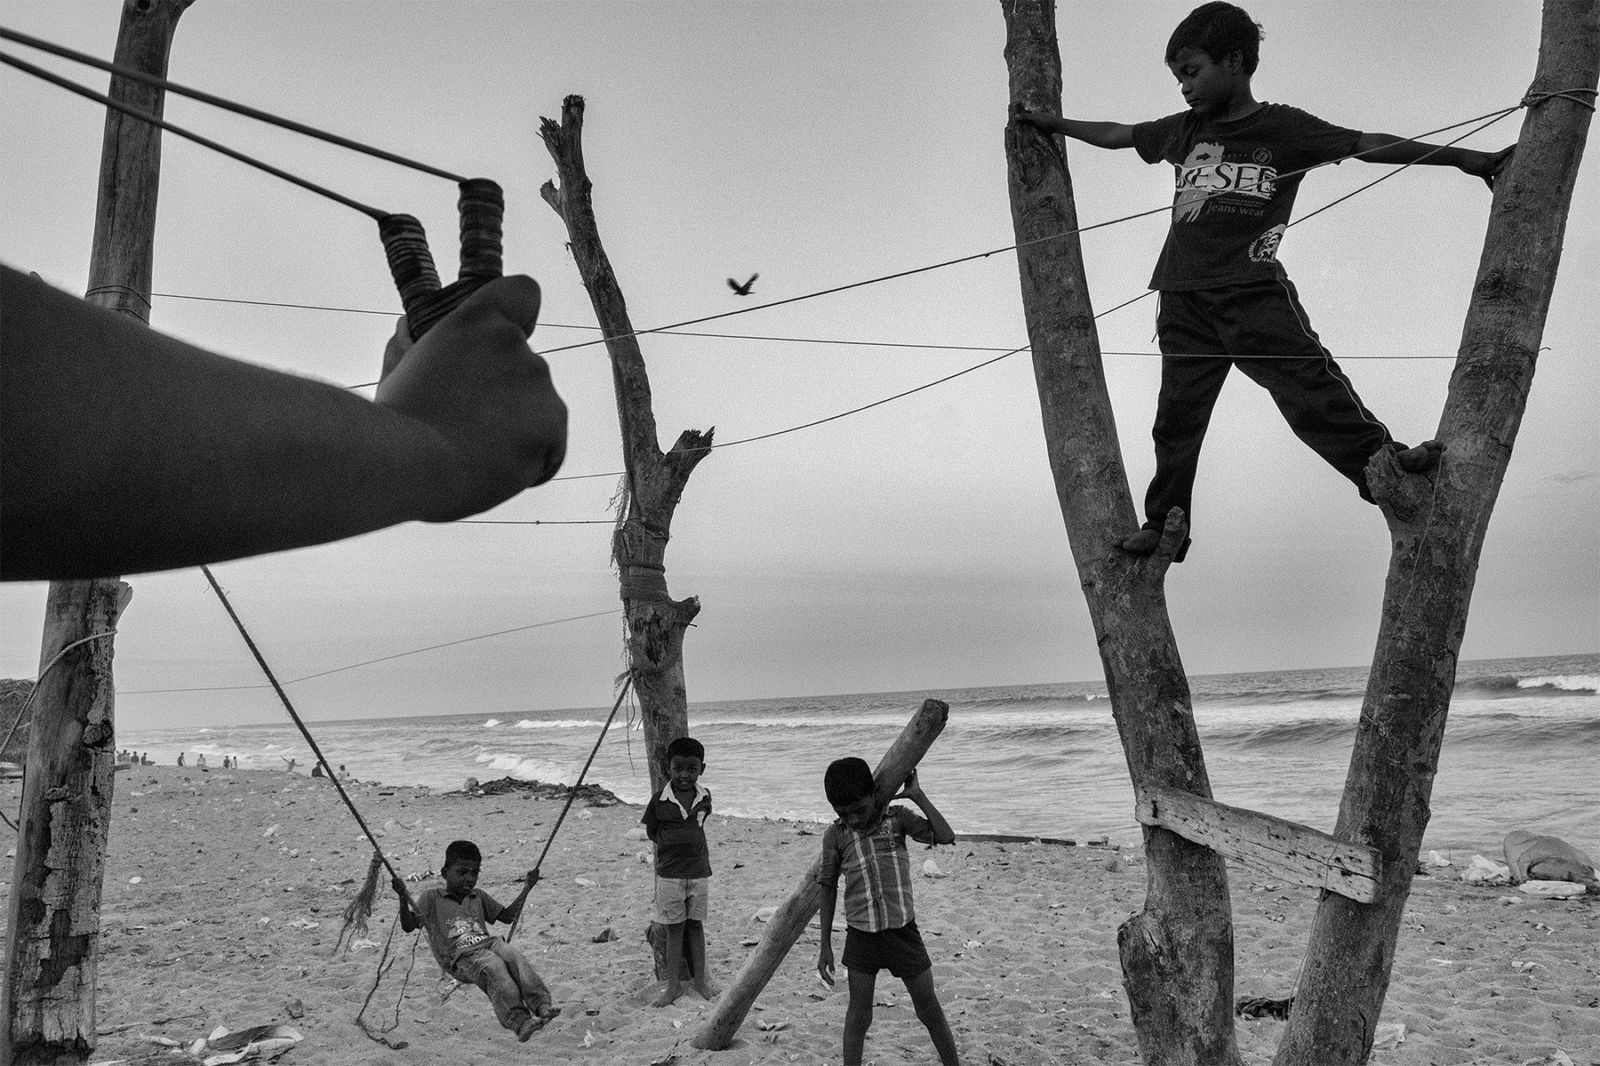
x=457, y=919
x=289, y=761
x=316, y=770
x=1225, y=300
x=200, y=761
x=180, y=758
x=344, y=775
x=675, y=821
x=197, y=458
x=867, y=845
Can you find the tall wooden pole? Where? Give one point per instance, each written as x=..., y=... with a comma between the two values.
x=655, y=481
x=1437, y=527
x=54, y=914
x=1177, y=952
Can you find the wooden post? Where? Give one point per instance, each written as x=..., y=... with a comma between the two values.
x=54, y=914
x=1438, y=527
x=796, y=912
x=654, y=482
x=1177, y=953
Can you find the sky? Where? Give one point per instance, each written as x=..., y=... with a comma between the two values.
x=914, y=546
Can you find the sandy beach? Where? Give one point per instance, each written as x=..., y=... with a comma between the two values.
x=225, y=890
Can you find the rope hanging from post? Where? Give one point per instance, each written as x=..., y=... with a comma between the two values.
x=327, y=768
x=627, y=684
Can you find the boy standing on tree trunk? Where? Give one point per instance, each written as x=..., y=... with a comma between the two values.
x=1225, y=298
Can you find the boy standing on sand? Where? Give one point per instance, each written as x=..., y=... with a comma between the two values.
x=1225, y=298
x=868, y=846
x=456, y=918
x=675, y=822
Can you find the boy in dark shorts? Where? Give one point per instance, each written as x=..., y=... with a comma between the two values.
x=675, y=821
x=457, y=917
x=868, y=846
x=1225, y=298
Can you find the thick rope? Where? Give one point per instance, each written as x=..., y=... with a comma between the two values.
x=283, y=696
x=217, y=101
x=573, y=793
x=145, y=116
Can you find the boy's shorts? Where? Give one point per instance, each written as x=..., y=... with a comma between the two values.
x=899, y=951
x=681, y=898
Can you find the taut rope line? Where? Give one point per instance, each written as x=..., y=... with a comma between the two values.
x=304, y=732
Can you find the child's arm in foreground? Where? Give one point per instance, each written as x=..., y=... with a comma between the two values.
x=408, y=919
x=830, y=898
x=1387, y=148
x=942, y=833
x=1099, y=134
x=127, y=450
x=513, y=910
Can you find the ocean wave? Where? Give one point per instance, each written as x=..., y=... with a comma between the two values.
x=1506, y=685
x=491, y=723
x=558, y=723
x=1043, y=700
x=1288, y=734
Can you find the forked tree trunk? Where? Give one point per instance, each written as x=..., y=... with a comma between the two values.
x=1438, y=527
x=1177, y=953
x=54, y=913
x=656, y=622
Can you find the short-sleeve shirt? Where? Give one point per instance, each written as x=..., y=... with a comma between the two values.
x=876, y=868
x=456, y=927
x=679, y=835
x=1235, y=188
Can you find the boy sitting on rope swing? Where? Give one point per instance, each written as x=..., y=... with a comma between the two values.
x=456, y=918
x=1225, y=298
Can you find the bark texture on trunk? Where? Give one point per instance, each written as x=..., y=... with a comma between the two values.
x=1177, y=953
x=655, y=481
x=54, y=916
x=1438, y=525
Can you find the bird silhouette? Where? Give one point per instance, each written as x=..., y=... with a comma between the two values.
x=743, y=290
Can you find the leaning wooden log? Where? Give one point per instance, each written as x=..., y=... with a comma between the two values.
x=796, y=912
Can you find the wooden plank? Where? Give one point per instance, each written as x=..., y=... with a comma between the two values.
x=1285, y=849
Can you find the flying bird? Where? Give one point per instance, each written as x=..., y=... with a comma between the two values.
x=743, y=290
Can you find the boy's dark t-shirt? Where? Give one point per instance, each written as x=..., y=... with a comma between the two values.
x=679, y=835
x=1230, y=206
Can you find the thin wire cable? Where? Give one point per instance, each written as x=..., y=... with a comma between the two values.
x=1165, y=208
x=144, y=116
x=843, y=342
x=369, y=662
x=225, y=104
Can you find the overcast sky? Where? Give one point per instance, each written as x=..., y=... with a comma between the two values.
x=917, y=545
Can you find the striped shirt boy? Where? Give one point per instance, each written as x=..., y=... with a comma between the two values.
x=876, y=868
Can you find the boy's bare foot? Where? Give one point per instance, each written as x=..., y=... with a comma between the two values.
x=1421, y=459
x=669, y=994
x=546, y=1012
x=528, y=1028
x=706, y=989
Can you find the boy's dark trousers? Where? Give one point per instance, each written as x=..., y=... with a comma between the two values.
x=1261, y=328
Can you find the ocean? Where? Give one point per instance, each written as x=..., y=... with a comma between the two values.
x=1521, y=751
